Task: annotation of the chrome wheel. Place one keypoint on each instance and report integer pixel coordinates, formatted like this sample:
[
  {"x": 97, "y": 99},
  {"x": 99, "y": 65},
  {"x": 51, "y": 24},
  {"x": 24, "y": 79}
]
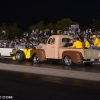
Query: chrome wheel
[
  {"x": 18, "y": 56},
  {"x": 36, "y": 59},
  {"x": 67, "y": 61}
]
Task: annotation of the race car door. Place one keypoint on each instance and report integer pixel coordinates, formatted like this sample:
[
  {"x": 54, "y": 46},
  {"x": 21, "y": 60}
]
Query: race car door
[{"x": 50, "y": 48}]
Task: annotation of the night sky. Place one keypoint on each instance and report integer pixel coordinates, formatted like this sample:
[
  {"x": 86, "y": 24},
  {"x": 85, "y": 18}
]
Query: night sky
[{"x": 29, "y": 12}]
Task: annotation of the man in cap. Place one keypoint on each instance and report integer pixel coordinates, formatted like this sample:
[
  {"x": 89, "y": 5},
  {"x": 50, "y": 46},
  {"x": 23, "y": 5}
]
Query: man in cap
[{"x": 96, "y": 43}]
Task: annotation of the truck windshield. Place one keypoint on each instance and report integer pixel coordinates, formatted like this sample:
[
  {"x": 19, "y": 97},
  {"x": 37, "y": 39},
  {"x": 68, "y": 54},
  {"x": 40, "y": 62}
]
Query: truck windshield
[{"x": 49, "y": 41}]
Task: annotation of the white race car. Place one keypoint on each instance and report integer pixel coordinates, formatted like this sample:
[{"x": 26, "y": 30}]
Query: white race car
[{"x": 5, "y": 52}]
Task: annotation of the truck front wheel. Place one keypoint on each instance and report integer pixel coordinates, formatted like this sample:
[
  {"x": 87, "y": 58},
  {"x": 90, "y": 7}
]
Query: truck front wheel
[
  {"x": 68, "y": 61},
  {"x": 36, "y": 59}
]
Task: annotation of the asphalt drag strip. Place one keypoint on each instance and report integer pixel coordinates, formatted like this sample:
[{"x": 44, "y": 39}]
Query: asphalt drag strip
[{"x": 29, "y": 86}]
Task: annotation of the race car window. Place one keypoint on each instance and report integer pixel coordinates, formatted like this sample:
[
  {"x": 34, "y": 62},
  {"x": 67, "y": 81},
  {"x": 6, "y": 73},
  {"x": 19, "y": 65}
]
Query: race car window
[{"x": 65, "y": 39}]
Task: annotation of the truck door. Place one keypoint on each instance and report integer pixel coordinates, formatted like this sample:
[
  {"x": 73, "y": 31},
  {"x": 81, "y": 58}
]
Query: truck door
[{"x": 50, "y": 48}]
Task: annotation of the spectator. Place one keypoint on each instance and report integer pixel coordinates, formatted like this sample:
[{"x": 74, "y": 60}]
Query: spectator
[
  {"x": 86, "y": 43},
  {"x": 77, "y": 44},
  {"x": 96, "y": 44},
  {"x": 69, "y": 44}
]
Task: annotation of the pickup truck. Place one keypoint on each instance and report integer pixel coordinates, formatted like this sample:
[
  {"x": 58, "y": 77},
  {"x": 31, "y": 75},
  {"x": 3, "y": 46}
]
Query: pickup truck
[{"x": 54, "y": 50}]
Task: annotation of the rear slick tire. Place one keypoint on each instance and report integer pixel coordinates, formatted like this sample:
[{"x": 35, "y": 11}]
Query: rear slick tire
[{"x": 20, "y": 56}]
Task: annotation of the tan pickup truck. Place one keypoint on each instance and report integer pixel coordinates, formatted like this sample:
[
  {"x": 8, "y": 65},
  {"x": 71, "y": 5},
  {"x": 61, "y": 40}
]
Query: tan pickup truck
[{"x": 55, "y": 51}]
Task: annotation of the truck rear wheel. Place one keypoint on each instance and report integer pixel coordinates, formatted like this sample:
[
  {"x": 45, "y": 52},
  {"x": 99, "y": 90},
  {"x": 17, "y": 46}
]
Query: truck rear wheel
[
  {"x": 20, "y": 56},
  {"x": 68, "y": 61},
  {"x": 36, "y": 59}
]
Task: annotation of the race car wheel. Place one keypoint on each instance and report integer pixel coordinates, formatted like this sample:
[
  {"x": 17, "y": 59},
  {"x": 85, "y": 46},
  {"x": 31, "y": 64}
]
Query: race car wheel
[
  {"x": 20, "y": 56},
  {"x": 36, "y": 59},
  {"x": 68, "y": 61},
  {"x": 13, "y": 58}
]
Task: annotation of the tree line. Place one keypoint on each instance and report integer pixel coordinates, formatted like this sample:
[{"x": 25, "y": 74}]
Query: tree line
[{"x": 63, "y": 24}]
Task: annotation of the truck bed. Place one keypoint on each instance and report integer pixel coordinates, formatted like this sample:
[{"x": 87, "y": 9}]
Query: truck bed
[{"x": 87, "y": 53}]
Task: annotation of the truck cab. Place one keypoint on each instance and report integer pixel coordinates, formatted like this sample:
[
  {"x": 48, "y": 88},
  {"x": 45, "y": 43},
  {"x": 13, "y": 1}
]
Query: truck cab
[{"x": 53, "y": 44}]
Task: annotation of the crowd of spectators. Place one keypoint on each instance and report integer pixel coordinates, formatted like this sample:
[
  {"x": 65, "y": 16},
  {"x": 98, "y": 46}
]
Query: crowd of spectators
[{"x": 37, "y": 37}]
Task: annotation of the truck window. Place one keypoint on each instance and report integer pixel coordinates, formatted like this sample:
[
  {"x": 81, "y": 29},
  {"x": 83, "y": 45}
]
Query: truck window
[
  {"x": 65, "y": 39},
  {"x": 53, "y": 41},
  {"x": 49, "y": 41}
]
